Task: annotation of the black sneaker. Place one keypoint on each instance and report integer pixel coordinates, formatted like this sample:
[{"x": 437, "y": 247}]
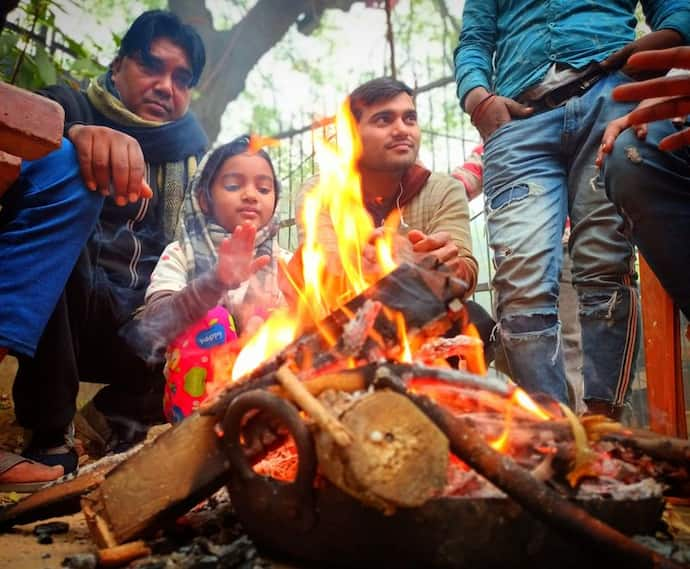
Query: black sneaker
[
  {"x": 125, "y": 434},
  {"x": 107, "y": 434}
]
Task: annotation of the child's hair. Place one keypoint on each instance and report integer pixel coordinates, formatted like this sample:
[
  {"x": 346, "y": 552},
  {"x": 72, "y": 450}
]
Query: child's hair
[{"x": 218, "y": 157}]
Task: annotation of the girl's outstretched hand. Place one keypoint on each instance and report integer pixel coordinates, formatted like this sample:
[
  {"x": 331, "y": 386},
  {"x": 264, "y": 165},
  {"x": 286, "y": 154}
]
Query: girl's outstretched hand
[{"x": 236, "y": 262}]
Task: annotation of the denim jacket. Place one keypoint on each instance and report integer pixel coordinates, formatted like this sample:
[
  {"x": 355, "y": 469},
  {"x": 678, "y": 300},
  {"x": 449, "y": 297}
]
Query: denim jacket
[{"x": 508, "y": 45}]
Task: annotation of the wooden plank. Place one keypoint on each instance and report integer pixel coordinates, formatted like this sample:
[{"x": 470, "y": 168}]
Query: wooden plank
[
  {"x": 183, "y": 466},
  {"x": 30, "y": 125},
  {"x": 661, "y": 326},
  {"x": 59, "y": 500},
  {"x": 9, "y": 170}
]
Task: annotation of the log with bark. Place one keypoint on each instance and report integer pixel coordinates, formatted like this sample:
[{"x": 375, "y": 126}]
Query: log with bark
[{"x": 377, "y": 447}]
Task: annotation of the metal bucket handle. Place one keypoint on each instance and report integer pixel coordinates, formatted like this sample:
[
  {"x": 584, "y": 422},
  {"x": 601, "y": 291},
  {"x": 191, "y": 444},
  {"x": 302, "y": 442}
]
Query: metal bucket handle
[{"x": 301, "y": 489}]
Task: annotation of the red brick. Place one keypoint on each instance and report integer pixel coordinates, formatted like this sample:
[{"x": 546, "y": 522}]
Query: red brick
[{"x": 30, "y": 125}]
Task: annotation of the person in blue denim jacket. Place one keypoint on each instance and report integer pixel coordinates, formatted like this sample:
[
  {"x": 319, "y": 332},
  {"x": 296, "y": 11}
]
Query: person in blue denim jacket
[{"x": 536, "y": 79}]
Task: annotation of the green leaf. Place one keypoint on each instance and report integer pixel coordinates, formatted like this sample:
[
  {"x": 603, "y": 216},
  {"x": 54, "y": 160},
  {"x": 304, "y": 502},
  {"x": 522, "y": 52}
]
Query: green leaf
[
  {"x": 8, "y": 43},
  {"x": 86, "y": 67},
  {"x": 75, "y": 46},
  {"x": 28, "y": 76},
  {"x": 45, "y": 66}
]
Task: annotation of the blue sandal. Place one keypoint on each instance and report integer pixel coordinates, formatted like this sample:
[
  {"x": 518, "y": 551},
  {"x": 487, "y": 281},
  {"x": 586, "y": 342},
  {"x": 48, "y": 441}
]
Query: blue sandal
[{"x": 51, "y": 454}]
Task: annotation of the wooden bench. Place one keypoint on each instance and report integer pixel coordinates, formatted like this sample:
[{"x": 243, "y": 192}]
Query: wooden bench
[
  {"x": 30, "y": 127},
  {"x": 662, "y": 343}
]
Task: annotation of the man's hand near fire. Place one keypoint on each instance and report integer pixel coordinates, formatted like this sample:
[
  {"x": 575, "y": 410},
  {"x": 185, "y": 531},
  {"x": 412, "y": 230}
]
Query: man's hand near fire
[
  {"x": 236, "y": 262},
  {"x": 439, "y": 245}
]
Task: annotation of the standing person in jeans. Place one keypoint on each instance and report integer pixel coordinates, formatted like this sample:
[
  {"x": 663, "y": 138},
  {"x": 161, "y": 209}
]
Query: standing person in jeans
[
  {"x": 647, "y": 168},
  {"x": 536, "y": 81},
  {"x": 471, "y": 174},
  {"x": 130, "y": 137}
]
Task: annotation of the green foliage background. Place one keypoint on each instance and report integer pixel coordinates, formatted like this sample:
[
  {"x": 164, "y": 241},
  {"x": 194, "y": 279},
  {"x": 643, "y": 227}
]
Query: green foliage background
[{"x": 28, "y": 64}]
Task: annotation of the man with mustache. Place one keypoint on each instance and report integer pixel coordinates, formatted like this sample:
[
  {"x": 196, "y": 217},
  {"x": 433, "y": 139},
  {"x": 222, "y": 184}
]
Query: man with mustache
[
  {"x": 136, "y": 145},
  {"x": 432, "y": 208}
]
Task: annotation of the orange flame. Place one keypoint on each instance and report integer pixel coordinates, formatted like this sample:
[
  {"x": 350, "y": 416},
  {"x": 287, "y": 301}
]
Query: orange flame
[
  {"x": 405, "y": 351},
  {"x": 474, "y": 357},
  {"x": 520, "y": 398},
  {"x": 332, "y": 272},
  {"x": 257, "y": 142},
  {"x": 278, "y": 331}
]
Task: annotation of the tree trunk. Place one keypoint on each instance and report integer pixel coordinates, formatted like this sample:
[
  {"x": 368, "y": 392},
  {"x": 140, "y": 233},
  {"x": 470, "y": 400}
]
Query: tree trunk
[{"x": 231, "y": 54}]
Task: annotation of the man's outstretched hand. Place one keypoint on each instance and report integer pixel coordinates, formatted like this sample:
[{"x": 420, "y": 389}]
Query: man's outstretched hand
[
  {"x": 111, "y": 162},
  {"x": 662, "y": 98}
]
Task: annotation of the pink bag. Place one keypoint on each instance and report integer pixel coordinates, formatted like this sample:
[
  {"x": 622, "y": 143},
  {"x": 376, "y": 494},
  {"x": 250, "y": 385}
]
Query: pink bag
[{"x": 198, "y": 362}]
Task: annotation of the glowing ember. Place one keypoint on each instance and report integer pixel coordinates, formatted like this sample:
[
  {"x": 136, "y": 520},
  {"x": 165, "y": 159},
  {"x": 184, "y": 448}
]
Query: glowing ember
[{"x": 257, "y": 142}]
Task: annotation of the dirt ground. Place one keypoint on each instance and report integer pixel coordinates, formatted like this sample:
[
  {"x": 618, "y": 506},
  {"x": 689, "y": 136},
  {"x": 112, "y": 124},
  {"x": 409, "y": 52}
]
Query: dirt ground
[{"x": 19, "y": 549}]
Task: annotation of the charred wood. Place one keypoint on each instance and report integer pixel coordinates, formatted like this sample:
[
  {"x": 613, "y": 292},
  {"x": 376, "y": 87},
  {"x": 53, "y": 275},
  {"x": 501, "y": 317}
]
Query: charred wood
[
  {"x": 530, "y": 493},
  {"x": 424, "y": 298}
]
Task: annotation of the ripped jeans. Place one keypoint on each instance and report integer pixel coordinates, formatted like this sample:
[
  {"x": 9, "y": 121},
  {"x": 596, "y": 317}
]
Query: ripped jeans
[{"x": 537, "y": 171}]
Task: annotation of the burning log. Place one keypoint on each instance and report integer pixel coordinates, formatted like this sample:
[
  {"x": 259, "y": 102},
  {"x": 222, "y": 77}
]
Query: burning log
[
  {"x": 427, "y": 301},
  {"x": 675, "y": 451},
  {"x": 530, "y": 493},
  {"x": 381, "y": 449},
  {"x": 122, "y": 554},
  {"x": 398, "y": 457},
  {"x": 332, "y": 428},
  {"x": 162, "y": 481},
  {"x": 469, "y": 348}
]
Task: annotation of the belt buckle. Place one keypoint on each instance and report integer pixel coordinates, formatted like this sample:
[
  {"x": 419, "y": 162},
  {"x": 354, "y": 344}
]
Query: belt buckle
[{"x": 587, "y": 82}]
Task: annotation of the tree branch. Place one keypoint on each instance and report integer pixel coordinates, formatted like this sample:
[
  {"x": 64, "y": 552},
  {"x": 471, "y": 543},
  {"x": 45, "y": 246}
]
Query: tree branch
[{"x": 232, "y": 54}]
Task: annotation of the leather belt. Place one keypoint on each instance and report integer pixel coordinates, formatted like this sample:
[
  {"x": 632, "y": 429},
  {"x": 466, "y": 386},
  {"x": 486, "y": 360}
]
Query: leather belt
[{"x": 560, "y": 95}]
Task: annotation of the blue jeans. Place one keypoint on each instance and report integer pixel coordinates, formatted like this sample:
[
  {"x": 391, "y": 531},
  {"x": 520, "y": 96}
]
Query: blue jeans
[
  {"x": 537, "y": 171},
  {"x": 45, "y": 221},
  {"x": 652, "y": 190}
]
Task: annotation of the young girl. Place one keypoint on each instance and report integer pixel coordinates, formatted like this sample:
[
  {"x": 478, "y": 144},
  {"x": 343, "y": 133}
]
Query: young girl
[{"x": 220, "y": 278}]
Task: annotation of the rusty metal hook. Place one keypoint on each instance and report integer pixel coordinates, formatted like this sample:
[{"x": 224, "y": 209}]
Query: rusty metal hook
[{"x": 293, "y": 500}]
